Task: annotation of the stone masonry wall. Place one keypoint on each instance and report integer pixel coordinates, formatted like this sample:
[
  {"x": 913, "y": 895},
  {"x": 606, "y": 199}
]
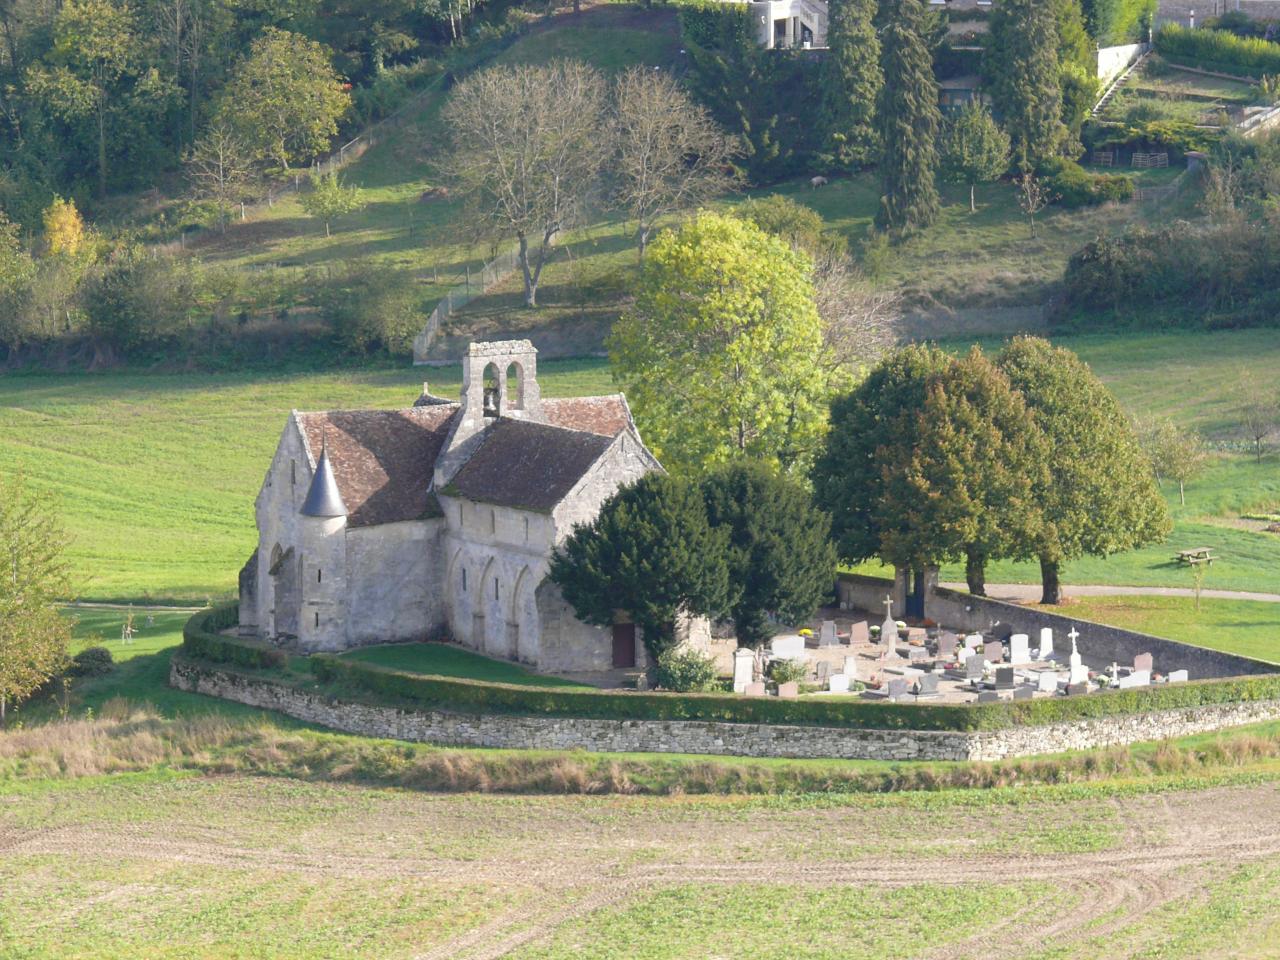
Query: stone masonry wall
[{"x": 726, "y": 739}]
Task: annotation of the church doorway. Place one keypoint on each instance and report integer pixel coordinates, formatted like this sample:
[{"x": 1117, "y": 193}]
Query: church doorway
[
  {"x": 624, "y": 645},
  {"x": 286, "y": 590}
]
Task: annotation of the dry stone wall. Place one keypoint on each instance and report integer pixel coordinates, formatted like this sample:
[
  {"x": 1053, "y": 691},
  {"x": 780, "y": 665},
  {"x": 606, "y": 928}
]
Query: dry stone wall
[{"x": 699, "y": 737}]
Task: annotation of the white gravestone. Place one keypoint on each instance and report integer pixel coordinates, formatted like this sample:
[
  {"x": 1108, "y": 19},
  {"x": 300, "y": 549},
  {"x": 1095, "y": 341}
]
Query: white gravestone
[
  {"x": 888, "y": 629},
  {"x": 743, "y": 668},
  {"x": 1046, "y": 643},
  {"x": 1139, "y": 678},
  {"x": 964, "y": 653},
  {"x": 1047, "y": 682},
  {"x": 787, "y": 647},
  {"x": 838, "y": 683},
  {"x": 1079, "y": 672},
  {"x": 1178, "y": 676},
  {"x": 1019, "y": 648},
  {"x": 851, "y": 667},
  {"x": 973, "y": 641}
]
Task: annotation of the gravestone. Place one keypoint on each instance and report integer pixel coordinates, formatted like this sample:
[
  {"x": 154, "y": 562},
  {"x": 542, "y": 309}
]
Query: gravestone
[
  {"x": 988, "y": 696},
  {"x": 964, "y": 654},
  {"x": 993, "y": 653},
  {"x": 851, "y": 667},
  {"x": 897, "y": 689},
  {"x": 1143, "y": 661},
  {"x": 822, "y": 670},
  {"x": 838, "y": 683},
  {"x": 1079, "y": 673},
  {"x": 1019, "y": 648},
  {"x": 1046, "y": 643},
  {"x": 1177, "y": 676},
  {"x": 1077, "y": 689},
  {"x": 917, "y": 653},
  {"x": 787, "y": 647},
  {"x": 789, "y": 690},
  {"x": 1024, "y": 692},
  {"x": 947, "y": 646},
  {"x": 1047, "y": 682},
  {"x": 755, "y": 689},
  {"x": 743, "y": 668},
  {"x": 973, "y": 667},
  {"x": 888, "y": 629},
  {"x": 1139, "y": 678},
  {"x": 973, "y": 641},
  {"x": 859, "y": 632},
  {"x": 927, "y": 685},
  {"x": 827, "y": 635},
  {"x": 1004, "y": 678}
]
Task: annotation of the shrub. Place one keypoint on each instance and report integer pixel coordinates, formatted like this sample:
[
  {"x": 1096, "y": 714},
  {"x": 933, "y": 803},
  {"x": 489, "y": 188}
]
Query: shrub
[
  {"x": 788, "y": 671},
  {"x": 686, "y": 671},
  {"x": 373, "y": 307},
  {"x": 1073, "y": 186},
  {"x": 92, "y": 662},
  {"x": 1218, "y": 50},
  {"x": 201, "y": 640}
]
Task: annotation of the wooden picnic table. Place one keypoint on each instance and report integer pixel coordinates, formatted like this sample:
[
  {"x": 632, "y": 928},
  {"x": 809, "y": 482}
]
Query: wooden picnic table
[{"x": 1195, "y": 555}]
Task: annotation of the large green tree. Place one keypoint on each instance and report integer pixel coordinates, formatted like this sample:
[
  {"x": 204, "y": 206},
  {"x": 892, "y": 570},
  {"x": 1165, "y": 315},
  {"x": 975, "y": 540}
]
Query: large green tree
[
  {"x": 722, "y": 354},
  {"x": 974, "y": 148},
  {"x": 1099, "y": 496},
  {"x": 780, "y": 556},
  {"x": 908, "y": 120},
  {"x": 965, "y": 484},
  {"x": 851, "y": 82},
  {"x": 33, "y": 581},
  {"x": 1024, "y": 78},
  {"x": 330, "y": 198},
  {"x": 284, "y": 100},
  {"x": 1078, "y": 62},
  {"x": 650, "y": 556}
]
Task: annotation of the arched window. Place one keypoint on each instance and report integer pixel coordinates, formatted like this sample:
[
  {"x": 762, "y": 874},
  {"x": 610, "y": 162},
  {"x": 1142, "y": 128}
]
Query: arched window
[
  {"x": 492, "y": 391},
  {"x": 464, "y": 579},
  {"x": 515, "y": 385}
]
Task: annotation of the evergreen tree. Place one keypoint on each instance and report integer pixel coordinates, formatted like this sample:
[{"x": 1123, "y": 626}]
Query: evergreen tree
[
  {"x": 908, "y": 121},
  {"x": 780, "y": 556},
  {"x": 974, "y": 149},
  {"x": 1025, "y": 79},
  {"x": 1100, "y": 496},
  {"x": 851, "y": 82},
  {"x": 1078, "y": 62},
  {"x": 650, "y": 554}
]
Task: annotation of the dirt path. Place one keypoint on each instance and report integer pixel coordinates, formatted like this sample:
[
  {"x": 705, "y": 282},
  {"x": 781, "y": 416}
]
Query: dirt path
[
  {"x": 1021, "y": 592},
  {"x": 572, "y": 859}
]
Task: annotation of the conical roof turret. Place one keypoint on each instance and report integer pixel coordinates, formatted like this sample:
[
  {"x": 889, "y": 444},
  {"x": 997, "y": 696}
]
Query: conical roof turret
[{"x": 323, "y": 499}]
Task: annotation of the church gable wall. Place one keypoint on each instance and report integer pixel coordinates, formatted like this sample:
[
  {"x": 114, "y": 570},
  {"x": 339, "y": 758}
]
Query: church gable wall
[
  {"x": 395, "y": 582},
  {"x": 279, "y": 531},
  {"x": 624, "y": 462}
]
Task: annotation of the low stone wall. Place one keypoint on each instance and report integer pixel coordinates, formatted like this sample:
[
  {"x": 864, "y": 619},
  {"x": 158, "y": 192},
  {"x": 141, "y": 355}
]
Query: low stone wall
[
  {"x": 724, "y": 739},
  {"x": 1099, "y": 643}
]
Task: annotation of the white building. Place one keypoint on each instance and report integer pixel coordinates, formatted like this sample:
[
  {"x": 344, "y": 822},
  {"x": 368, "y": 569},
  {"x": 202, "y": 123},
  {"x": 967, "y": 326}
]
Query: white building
[
  {"x": 791, "y": 24},
  {"x": 439, "y": 520}
]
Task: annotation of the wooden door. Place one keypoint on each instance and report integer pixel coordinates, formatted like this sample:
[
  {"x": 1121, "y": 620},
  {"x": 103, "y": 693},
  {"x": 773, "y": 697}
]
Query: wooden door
[{"x": 624, "y": 644}]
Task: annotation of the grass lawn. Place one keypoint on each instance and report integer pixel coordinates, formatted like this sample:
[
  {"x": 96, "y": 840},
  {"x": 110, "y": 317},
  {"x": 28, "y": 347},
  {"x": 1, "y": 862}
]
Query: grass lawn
[
  {"x": 446, "y": 660},
  {"x": 1249, "y": 628}
]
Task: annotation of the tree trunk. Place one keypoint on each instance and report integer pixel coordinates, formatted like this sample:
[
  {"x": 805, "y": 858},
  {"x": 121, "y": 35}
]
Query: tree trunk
[
  {"x": 1052, "y": 589},
  {"x": 975, "y": 571},
  {"x": 1182, "y": 494},
  {"x": 642, "y": 242},
  {"x": 102, "y": 147},
  {"x": 326, "y": 230},
  {"x": 973, "y": 207},
  {"x": 530, "y": 291}
]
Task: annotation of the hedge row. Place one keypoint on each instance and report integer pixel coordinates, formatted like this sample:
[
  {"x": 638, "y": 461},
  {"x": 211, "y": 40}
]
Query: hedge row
[
  {"x": 1218, "y": 50},
  {"x": 471, "y": 696},
  {"x": 202, "y": 640}
]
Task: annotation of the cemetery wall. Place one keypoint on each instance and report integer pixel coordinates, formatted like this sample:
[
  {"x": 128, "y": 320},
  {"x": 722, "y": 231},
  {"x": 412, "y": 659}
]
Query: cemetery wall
[
  {"x": 706, "y": 737},
  {"x": 1099, "y": 644}
]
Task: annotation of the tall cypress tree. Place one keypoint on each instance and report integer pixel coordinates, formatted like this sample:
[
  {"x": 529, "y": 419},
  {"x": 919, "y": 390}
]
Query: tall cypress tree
[
  {"x": 851, "y": 82},
  {"x": 1025, "y": 79},
  {"x": 908, "y": 119}
]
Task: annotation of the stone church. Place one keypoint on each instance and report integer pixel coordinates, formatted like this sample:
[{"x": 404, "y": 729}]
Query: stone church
[{"x": 439, "y": 520}]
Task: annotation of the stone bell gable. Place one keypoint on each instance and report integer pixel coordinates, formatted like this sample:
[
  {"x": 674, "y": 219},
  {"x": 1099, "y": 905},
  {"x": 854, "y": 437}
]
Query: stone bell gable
[{"x": 440, "y": 519}]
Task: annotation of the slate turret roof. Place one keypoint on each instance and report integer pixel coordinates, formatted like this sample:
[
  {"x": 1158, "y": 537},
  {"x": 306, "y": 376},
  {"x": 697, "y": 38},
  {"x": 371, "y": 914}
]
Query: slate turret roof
[{"x": 323, "y": 498}]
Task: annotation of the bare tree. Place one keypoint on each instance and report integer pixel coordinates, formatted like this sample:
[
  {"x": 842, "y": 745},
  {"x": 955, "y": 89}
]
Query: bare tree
[
  {"x": 859, "y": 322},
  {"x": 220, "y": 170},
  {"x": 671, "y": 155},
  {"x": 1033, "y": 196},
  {"x": 1260, "y": 413},
  {"x": 529, "y": 144}
]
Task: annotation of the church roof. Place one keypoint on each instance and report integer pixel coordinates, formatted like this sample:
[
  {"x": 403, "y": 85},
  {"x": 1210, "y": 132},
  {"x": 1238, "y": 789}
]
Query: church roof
[
  {"x": 527, "y": 465},
  {"x": 382, "y": 460},
  {"x": 323, "y": 498}
]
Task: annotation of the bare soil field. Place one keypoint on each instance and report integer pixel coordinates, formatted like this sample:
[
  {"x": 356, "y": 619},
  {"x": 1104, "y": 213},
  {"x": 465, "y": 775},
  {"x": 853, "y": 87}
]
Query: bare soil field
[{"x": 146, "y": 866}]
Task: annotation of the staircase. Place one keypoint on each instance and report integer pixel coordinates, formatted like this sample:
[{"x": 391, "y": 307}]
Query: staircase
[{"x": 1109, "y": 94}]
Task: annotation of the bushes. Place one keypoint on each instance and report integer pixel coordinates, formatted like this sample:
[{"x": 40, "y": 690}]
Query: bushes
[
  {"x": 1218, "y": 50},
  {"x": 92, "y": 662},
  {"x": 686, "y": 671},
  {"x": 373, "y": 307},
  {"x": 788, "y": 671},
  {"x": 1073, "y": 186},
  {"x": 201, "y": 639}
]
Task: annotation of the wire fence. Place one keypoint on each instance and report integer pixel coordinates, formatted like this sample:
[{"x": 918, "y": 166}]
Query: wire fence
[{"x": 490, "y": 275}]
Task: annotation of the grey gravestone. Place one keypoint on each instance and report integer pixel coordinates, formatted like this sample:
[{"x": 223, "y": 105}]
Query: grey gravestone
[
  {"x": 928, "y": 685},
  {"x": 789, "y": 691},
  {"x": 858, "y": 632},
  {"x": 917, "y": 653},
  {"x": 1077, "y": 689},
  {"x": 993, "y": 653},
  {"x": 1004, "y": 678},
  {"x": 973, "y": 668},
  {"x": 827, "y": 635},
  {"x": 823, "y": 670},
  {"x": 988, "y": 696},
  {"x": 947, "y": 645},
  {"x": 1143, "y": 661},
  {"x": 1023, "y": 693},
  {"x": 897, "y": 689}
]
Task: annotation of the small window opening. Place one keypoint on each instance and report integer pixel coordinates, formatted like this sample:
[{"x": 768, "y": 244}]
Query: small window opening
[
  {"x": 526, "y": 529},
  {"x": 464, "y": 579},
  {"x": 293, "y": 472},
  {"x": 319, "y": 575},
  {"x": 493, "y": 521},
  {"x": 317, "y": 618},
  {"x": 495, "y": 588}
]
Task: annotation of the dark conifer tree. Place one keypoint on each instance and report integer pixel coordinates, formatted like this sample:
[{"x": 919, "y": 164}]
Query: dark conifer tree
[
  {"x": 1024, "y": 78},
  {"x": 851, "y": 82}
]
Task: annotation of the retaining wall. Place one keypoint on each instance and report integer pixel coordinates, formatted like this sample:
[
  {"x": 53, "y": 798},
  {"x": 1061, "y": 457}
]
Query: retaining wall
[
  {"x": 1099, "y": 643},
  {"x": 684, "y": 736}
]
